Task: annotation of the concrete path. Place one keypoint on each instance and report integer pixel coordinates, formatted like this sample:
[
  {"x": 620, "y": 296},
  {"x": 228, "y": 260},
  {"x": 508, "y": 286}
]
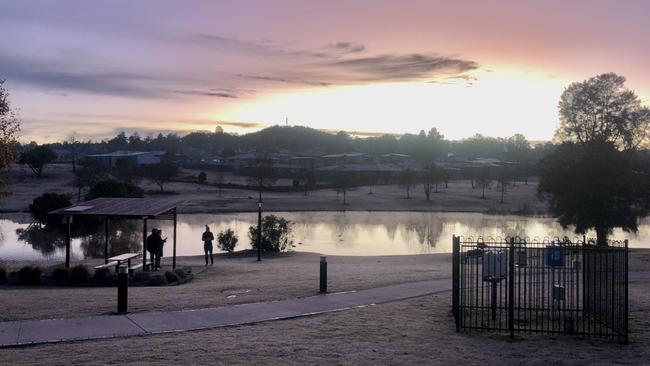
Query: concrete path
[{"x": 26, "y": 332}]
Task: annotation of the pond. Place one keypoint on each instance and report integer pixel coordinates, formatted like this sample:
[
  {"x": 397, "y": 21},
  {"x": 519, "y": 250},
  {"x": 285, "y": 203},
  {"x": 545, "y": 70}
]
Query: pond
[{"x": 329, "y": 233}]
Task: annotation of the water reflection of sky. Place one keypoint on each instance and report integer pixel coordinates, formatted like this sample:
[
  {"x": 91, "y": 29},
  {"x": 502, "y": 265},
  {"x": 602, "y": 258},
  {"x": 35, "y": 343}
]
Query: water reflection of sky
[{"x": 331, "y": 233}]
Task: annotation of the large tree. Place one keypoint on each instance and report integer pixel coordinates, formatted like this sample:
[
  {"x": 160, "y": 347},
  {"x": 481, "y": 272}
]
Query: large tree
[
  {"x": 602, "y": 109},
  {"x": 9, "y": 128},
  {"x": 595, "y": 186},
  {"x": 596, "y": 179}
]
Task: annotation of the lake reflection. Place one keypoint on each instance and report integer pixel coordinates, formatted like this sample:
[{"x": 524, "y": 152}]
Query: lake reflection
[{"x": 331, "y": 233}]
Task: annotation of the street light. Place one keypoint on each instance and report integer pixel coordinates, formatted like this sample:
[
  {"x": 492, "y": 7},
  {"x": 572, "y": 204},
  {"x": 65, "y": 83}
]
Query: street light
[{"x": 259, "y": 231}]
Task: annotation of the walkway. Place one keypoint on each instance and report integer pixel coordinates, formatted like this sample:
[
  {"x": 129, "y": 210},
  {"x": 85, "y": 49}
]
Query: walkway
[{"x": 26, "y": 332}]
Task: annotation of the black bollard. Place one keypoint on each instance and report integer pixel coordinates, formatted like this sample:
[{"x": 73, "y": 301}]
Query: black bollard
[
  {"x": 122, "y": 290},
  {"x": 323, "y": 275}
]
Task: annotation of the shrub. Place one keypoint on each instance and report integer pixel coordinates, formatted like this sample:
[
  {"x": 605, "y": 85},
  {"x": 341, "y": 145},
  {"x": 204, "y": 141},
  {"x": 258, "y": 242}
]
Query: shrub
[
  {"x": 276, "y": 234},
  {"x": 29, "y": 275},
  {"x": 60, "y": 274},
  {"x": 3, "y": 274},
  {"x": 227, "y": 240},
  {"x": 202, "y": 177},
  {"x": 142, "y": 277},
  {"x": 102, "y": 275},
  {"x": 47, "y": 202},
  {"x": 113, "y": 188},
  {"x": 180, "y": 273},
  {"x": 79, "y": 274},
  {"x": 157, "y": 280},
  {"x": 171, "y": 276}
]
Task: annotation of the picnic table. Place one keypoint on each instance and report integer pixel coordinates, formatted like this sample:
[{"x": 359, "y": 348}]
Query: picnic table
[{"x": 120, "y": 259}]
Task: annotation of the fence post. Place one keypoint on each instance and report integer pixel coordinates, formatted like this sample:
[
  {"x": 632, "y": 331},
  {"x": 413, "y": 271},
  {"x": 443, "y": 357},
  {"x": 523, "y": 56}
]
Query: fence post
[
  {"x": 511, "y": 288},
  {"x": 627, "y": 275},
  {"x": 455, "y": 280}
]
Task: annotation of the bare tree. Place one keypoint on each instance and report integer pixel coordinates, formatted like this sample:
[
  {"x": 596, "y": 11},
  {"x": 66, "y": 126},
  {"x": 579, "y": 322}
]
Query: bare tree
[
  {"x": 162, "y": 172},
  {"x": 483, "y": 180},
  {"x": 430, "y": 179},
  {"x": 407, "y": 180},
  {"x": 262, "y": 174},
  {"x": 219, "y": 177},
  {"x": 343, "y": 182},
  {"x": 73, "y": 144},
  {"x": 505, "y": 180}
]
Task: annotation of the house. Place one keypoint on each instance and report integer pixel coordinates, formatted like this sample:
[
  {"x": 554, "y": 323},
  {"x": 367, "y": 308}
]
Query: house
[{"x": 138, "y": 158}]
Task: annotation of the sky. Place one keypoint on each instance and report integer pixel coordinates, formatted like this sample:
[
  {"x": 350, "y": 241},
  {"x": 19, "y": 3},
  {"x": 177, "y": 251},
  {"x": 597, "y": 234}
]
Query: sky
[{"x": 94, "y": 68}]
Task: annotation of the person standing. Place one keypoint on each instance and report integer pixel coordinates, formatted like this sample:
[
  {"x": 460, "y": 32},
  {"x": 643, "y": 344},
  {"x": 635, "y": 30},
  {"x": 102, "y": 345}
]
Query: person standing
[
  {"x": 152, "y": 246},
  {"x": 155, "y": 244},
  {"x": 161, "y": 244},
  {"x": 207, "y": 238}
]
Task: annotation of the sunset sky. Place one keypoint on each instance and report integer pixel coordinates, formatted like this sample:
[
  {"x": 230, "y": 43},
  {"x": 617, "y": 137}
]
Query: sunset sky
[{"x": 492, "y": 67}]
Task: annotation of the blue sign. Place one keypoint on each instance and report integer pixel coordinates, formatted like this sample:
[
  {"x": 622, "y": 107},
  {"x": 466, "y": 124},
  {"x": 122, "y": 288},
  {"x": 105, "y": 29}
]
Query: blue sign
[{"x": 554, "y": 256}]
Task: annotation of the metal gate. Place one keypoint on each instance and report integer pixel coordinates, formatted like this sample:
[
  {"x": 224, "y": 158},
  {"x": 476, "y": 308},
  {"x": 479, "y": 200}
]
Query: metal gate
[{"x": 556, "y": 286}]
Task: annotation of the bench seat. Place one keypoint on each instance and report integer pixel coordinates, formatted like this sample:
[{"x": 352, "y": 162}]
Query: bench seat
[
  {"x": 107, "y": 265},
  {"x": 138, "y": 266}
]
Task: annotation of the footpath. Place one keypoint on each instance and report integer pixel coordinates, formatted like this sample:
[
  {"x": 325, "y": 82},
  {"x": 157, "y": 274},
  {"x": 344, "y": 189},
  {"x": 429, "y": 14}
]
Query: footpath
[{"x": 28, "y": 332}]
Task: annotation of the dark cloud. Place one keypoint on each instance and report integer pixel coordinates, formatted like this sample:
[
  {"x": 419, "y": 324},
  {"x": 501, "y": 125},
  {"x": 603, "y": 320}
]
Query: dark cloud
[
  {"x": 348, "y": 47},
  {"x": 214, "y": 94},
  {"x": 399, "y": 67},
  {"x": 241, "y": 124},
  {"x": 246, "y": 46},
  {"x": 284, "y": 79},
  {"x": 59, "y": 77}
]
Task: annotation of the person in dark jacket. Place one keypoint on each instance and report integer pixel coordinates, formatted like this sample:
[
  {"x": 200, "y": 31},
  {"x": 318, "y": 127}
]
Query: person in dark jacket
[
  {"x": 207, "y": 238},
  {"x": 155, "y": 244}
]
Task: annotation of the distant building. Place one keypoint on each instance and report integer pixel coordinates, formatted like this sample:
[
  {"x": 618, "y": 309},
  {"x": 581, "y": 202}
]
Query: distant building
[
  {"x": 136, "y": 157},
  {"x": 200, "y": 158},
  {"x": 346, "y": 158}
]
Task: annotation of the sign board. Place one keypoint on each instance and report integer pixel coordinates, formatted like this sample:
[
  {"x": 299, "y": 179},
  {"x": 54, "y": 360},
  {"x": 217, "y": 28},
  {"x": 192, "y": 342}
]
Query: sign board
[
  {"x": 495, "y": 265},
  {"x": 554, "y": 256}
]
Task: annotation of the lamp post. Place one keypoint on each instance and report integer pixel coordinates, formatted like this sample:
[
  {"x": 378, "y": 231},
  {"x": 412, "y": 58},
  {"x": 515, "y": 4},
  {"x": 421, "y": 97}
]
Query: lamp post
[{"x": 259, "y": 231}]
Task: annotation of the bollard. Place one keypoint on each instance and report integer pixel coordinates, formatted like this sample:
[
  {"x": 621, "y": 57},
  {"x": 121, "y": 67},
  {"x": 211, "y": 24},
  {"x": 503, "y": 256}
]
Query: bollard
[
  {"x": 122, "y": 290},
  {"x": 323, "y": 274}
]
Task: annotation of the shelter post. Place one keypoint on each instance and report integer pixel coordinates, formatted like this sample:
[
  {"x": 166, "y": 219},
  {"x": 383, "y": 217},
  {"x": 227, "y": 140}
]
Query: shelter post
[
  {"x": 67, "y": 241},
  {"x": 106, "y": 239},
  {"x": 144, "y": 243},
  {"x": 175, "y": 220}
]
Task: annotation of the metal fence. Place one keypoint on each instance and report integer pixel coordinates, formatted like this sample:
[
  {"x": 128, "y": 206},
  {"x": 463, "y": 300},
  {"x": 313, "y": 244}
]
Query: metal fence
[{"x": 515, "y": 285}]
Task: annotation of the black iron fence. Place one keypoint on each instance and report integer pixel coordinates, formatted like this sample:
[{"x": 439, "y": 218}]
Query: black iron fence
[{"x": 556, "y": 286}]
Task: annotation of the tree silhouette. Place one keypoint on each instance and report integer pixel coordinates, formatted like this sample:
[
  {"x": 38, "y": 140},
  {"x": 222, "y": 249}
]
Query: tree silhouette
[
  {"x": 483, "y": 180},
  {"x": 343, "y": 181},
  {"x": 595, "y": 186},
  {"x": 504, "y": 179},
  {"x": 37, "y": 158},
  {"x": 407, "y": 179},
  {"x": 9, "y": 128},
  {"x": 49, "y": 201},
  {"x": 162, "y": 172},
  {"x": 596, "y": 180},
  {"x": 262, "y": 174},
  {"x": 602, "y": 109},
  {"x": 430, "y": 179}
]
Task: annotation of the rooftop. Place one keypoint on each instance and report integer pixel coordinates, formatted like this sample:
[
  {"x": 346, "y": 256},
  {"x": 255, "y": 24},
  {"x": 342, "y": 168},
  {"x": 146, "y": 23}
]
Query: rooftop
[{"x": 126, "y": 207}]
